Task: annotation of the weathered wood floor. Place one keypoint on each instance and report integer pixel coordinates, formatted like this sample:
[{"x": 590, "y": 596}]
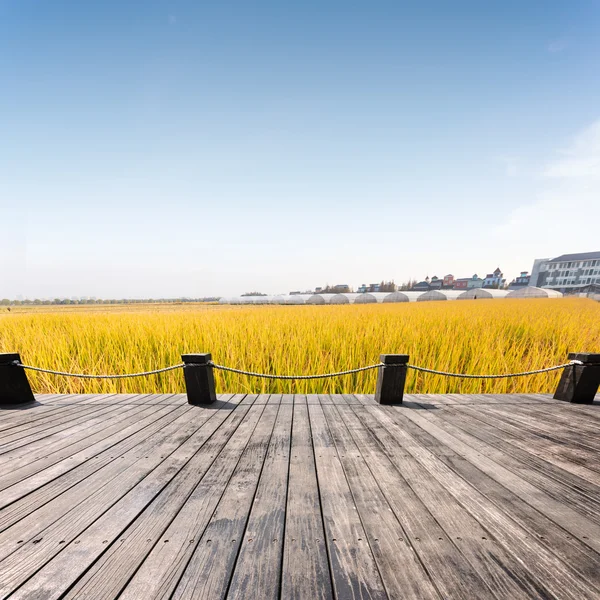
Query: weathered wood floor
[{"x": 300, "y": 497}]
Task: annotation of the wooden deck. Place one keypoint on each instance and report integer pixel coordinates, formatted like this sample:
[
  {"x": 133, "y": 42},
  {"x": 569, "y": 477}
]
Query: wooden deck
[{"x": 300, "y": 497}]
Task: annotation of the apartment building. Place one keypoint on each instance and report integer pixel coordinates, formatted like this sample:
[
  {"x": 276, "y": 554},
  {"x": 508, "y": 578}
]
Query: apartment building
[{"x": 568, "y": 272}]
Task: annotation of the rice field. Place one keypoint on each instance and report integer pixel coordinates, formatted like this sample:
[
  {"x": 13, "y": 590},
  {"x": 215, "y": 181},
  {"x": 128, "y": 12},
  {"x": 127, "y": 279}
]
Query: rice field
[{"x": 465, "y": 337}]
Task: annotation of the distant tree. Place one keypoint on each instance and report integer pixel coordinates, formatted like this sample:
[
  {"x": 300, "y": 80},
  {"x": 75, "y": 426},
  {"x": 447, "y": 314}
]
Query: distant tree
[
  {"x": 388, "y": 286},
  {"x": 5, "y": 302},
  {"x": 407, "y": 285},
  {"x": 254, "y": 294}
]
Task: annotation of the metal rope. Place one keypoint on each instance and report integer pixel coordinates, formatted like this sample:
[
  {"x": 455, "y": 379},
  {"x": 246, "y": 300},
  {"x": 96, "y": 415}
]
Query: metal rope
[
  {"x": 266, "y": 376},
  {"x": 84, "y": 376},
  {"x": 569, "y": 364}
]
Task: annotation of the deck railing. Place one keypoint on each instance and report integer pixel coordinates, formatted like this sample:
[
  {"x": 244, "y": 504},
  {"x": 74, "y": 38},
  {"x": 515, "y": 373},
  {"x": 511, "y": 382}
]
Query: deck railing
[{"x": 579, "y": 381}]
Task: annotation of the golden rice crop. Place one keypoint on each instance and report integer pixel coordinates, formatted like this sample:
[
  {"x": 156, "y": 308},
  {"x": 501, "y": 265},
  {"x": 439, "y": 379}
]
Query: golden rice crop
[{"x": 496, "y": 336}]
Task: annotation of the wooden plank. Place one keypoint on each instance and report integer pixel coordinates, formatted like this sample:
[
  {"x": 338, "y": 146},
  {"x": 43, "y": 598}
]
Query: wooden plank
[
  {"x": 148, "y": 472},
  {"x": 258, "y": 568},
  {"x": 68, "y": 399},
  {"x": 553, "y": 574},
  {"x": 255, "y": 399},
  {"x": 352, "y": 399},
  {"x": 305, "y": 571},
  {"x": 554, "y": 460},
  {"x": 97, "y": 492},
  {"x": 168, "y": 399},
  {"x": 540, "y": 526},
  {"x": 587, "y": 443},
  {"x": 367, "y": 399},
  {"x": 553, "y": 439},
  {"x": 209, "y": 570},
  {"x": 154, "y": 501},
  {"x": 383, "y": 541},
  {"x": 65, "y": 436},
  {"x": 174, "y": 399},
  {"x": 42, "y": 397},
  {"x": 224, "y": 437},
  {"x": 22, "y": 414},
  {"x": 354, "y": 571},
  {"x": 463, "y": 558},
  {"x": 39, "y": 421},
  {"x": 38, "y": 459},
  {"x": 287, "y": 399},
  {"x": 329, "y": 399},
  {"x": 519, "y": 471},
  {"x": 85, "y": 399},
  {"x": 323, "y": 399},
  {"x": 566, "y": 414},
  {"x": 31, "y": 493},
  {"x": 274, "y": 399},
  {"x": 20, "y": 436},
  {"x": 434, "y": 399}
]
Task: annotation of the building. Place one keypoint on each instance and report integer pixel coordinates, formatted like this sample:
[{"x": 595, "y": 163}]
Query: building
[
  {"x": 384, "y": 286},
  {"x": 436, "y": 283},
  {"x": 461, "y": 284},
  {"x": 372, "y": 287},
  {"x": 422, "y": 286},
  {"x": 475, "y": 282},
  {"x": 468, "y": 283},
  {"x": 521, "y": 281},
  {"x": 494, "y": 280},
  {"x": 567, "y": 273},
  {"x": 448, "y": 282}
]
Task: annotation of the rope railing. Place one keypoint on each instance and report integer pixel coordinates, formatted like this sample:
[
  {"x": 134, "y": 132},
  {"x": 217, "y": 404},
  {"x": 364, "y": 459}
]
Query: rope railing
[
  {"x": 88, "y": 376},
  {"x": 503, "y": 376},
  {"x": 579, "y": 381},
  {"x": 293, "y": 377},
  {"x": 321, "y": 376}
]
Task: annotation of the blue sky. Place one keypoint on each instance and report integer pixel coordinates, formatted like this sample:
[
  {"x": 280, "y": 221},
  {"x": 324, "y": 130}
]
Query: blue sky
[{"x": 175, "y": 148}]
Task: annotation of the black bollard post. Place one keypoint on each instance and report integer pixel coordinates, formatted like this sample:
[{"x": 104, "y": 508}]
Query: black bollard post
[
  {"x": 390, "y": 382},
  {"x": 579, "y": 383},
  {"x": 199, "y": 379},
  {"x": 14, "y": 385}
]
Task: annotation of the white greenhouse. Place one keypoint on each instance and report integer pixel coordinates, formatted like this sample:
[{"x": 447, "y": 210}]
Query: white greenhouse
[
  {"x": 366, "y": 298},
  {"x": 481, "y": 294},
  {"x": 534, "y": 292},
  {"x": 297, "y": 298},
  {"x": 435, "y": 295},
  {"x": 401, "y": 297},
  {"x": 394, "y": 297}
]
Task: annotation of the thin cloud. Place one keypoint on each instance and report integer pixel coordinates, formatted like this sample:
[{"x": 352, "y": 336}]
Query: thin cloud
[
  {"x": 556, "y": 46},
  {"x": 566, "y": 211},
  {"x": 172, "y": 19},
  {"x": 582, "y": 159}
]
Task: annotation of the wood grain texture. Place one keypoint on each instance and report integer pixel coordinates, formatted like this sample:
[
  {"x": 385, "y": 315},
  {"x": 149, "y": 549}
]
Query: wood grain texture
[
  {"x": 282, "y": 496},
  {"x": 305, "y": 569},
  {"x": 258, "y": 567},
  {"x": 353, "y": 567}
]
